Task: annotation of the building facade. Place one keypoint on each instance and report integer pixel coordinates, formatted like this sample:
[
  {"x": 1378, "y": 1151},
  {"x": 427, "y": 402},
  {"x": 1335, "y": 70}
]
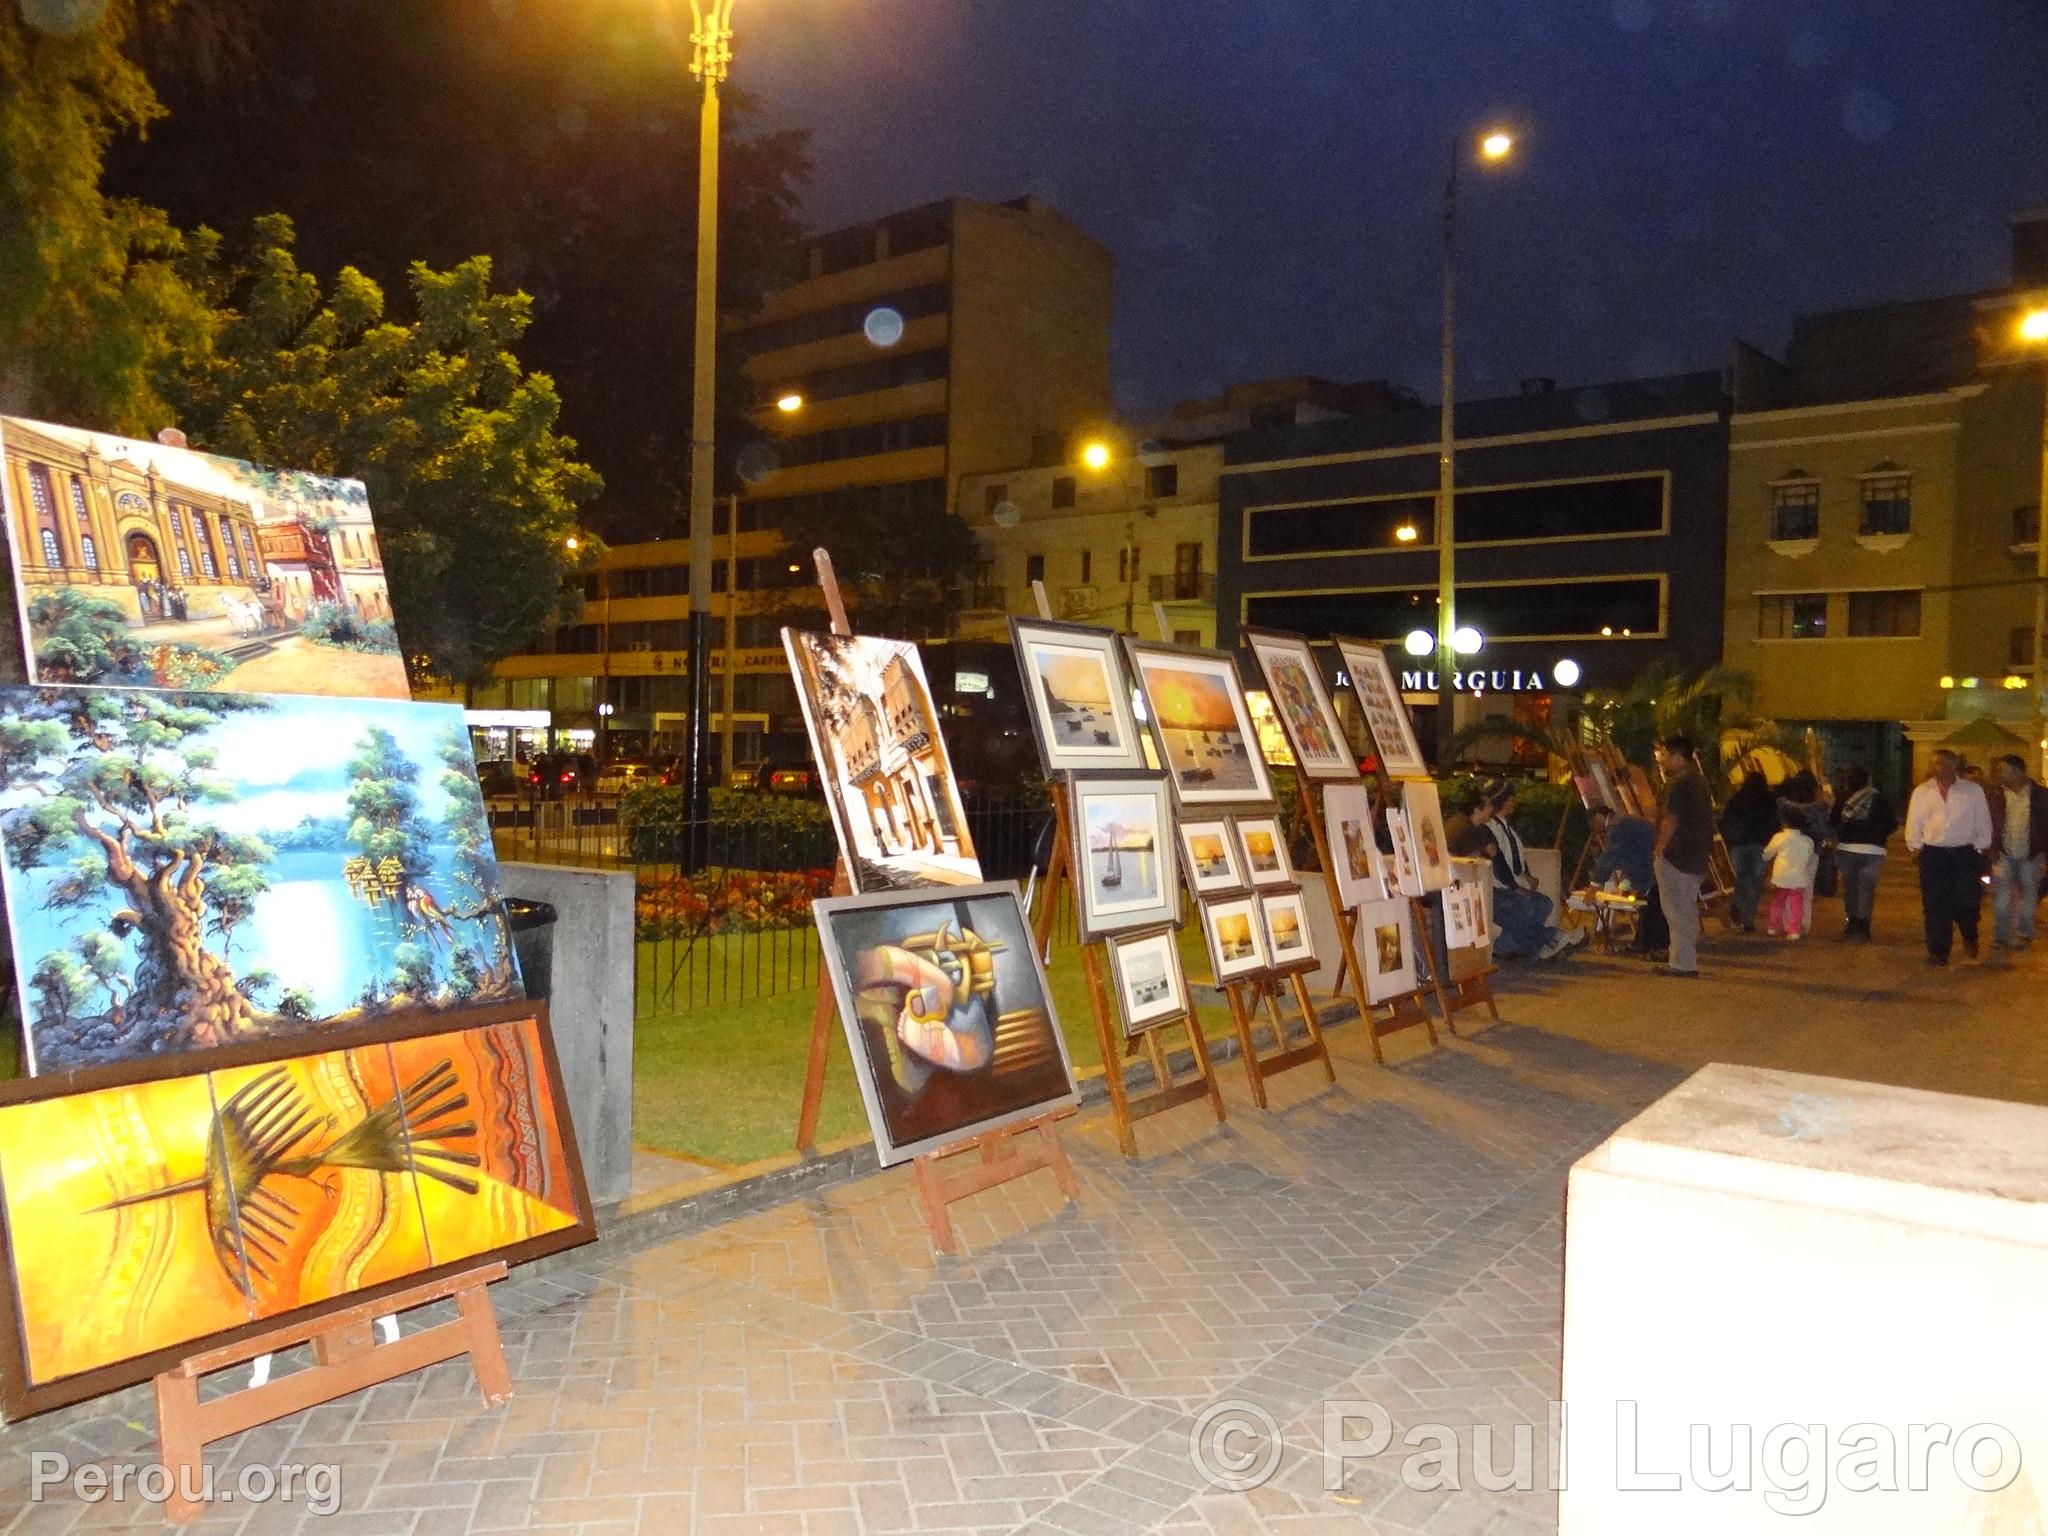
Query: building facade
[{"x": 1589, "y": 526}]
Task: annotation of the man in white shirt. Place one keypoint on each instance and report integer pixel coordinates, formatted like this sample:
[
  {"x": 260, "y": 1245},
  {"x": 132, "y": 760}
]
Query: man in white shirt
[{"x": 1948, "y": 824}]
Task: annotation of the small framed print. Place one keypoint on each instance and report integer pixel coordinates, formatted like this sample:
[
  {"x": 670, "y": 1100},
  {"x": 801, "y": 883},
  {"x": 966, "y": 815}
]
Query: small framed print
[
  {"x": 1144, "y": 971},
  {"x": 1302, "y": 704},
  {"x": 1237, "y": 938},
  {"x": 1289, "y": 944},
  {"x": 1124, "y": 871},
  {"x": 1078, "y": 696},
  {"x": 1386, "y": 714},
  {"x": 1209, "y": 853},
  {"x": 1264, "y": 846},
  {"x": 1355, "y": 856},
  {"x": 1425, "y": 816},
  {"x": 1461, "y": 931},
  {"x": 1201, "y": 724},
  {"x": 1386, "y": 949},
  {"x": 1407, "y": 874}
]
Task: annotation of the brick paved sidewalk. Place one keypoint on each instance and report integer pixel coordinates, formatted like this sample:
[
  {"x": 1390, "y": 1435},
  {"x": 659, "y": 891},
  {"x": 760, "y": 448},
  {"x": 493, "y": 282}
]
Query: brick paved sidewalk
[{"x": 815, "y": 1369}]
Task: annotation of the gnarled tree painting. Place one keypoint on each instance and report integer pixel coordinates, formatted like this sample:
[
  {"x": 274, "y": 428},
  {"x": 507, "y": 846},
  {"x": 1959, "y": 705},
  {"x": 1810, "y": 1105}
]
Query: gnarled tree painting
[{"x": 184, "y": 870}]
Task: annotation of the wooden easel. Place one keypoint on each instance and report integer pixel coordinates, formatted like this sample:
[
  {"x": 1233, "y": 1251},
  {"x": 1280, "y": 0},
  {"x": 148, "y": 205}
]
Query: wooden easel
[
  {"x": 1242, "y": 996},
  {"x": 1001, "y": 1160},
  {"x": 1466, "y": 992},
  {"x": 346, "y": 1358}
]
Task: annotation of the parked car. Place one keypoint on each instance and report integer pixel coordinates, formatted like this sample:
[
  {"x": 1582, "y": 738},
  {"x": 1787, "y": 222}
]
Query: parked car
[
  {"x": 559, "y": 775},
  {"x": 624, "y": 773},
  {"x": 501, "y": 778},
  {"x": 776, "y": 778}
]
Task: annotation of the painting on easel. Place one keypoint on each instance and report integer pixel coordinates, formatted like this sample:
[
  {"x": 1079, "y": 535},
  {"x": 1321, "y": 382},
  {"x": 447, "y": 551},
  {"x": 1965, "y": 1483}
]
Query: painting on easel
[
  {"x": 1077, "y": 695},
  {"x": 1302, "y": 704},
  {"x": 947, "y": 1012},
  {"x": 1126, "y": 876},
  {"x": 1201, "y": 723},
  {"x": 888, "y": 779}
]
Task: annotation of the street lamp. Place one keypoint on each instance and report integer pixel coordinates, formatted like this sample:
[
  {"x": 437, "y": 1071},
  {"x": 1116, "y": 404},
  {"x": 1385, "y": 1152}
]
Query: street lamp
[
  {"x": 1494, "y": 147},
  {"x": 790, "y": 403},
  {"x": 1097, "y": 455},
  {"x": 710, "y": 59},
  {"x": 2033, "y": 331}
]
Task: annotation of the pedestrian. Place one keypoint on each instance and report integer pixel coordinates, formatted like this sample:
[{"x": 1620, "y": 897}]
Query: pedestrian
[
  {"x": 1748, "y": 821},
  {"x": 1864, "y": 821},
  {"x": 1685, "y": 835},
  {"x": 1803, "y": 793},
  {"x": 1948, "y": 824},
  {"x": 1521, "y": 912},
  {"x": 1793, "y": 861},
  {"x": 2019, "y": 852}
]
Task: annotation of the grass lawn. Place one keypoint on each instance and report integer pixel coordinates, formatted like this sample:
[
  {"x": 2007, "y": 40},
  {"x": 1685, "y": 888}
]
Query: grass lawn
[{"x": 722, "y": 1082}]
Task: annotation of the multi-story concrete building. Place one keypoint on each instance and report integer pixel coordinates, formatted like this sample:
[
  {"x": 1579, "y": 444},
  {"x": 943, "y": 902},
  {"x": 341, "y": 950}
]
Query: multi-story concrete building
[{"x": 1882, "y": 520}]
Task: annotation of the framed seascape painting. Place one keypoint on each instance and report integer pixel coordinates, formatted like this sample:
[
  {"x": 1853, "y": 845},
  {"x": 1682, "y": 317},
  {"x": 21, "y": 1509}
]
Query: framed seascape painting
[
  {"x": 1386, "y": 948},
  {"x": 1289, "y": 944},
  {"x": 1208, "y": 849},
  {"x": 1078, "y": 695},
  {"x": 1302, "y": 703},
  {"x": 1144, "y": 969},
  {"x": 157, "y": 1207},
  {"x": 1386, "y": 716},
  {"x": 142, "y": 566},
  {"x": 1125, "y": 875},
  {"x": 1264, "y": 846},
  {"x": 1423, "y": 811},
  {"x": 1200, "y": 723},
  {"x": 1354, "y": 850},
  {"x": 946, "y": 1009},
  {"x": 1236, "y": 936},
  {"x": 192, "y": 870},
  {"x": 875, "y": 736}
]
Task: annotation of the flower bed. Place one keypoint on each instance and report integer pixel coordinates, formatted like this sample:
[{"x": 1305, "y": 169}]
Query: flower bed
[{"x": 715, "y": 902}]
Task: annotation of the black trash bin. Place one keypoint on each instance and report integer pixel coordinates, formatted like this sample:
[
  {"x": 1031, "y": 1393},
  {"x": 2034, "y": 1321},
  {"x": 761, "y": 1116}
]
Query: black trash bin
[{"x": 533, "y": 941}]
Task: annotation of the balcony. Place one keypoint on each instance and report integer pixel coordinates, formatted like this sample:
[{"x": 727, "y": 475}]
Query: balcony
[
  {"x": 2026, "y": 529},
  {"x": 983, "y": 598},
  {"x": 1182, "y": 587}
]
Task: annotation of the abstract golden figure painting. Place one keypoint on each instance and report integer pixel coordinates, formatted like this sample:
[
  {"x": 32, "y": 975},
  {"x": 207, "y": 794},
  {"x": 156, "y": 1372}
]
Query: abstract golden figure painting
[{"x": 143, "y": 1216}]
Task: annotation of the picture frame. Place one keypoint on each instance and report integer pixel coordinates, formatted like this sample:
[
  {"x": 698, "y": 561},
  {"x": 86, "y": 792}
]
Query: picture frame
[
  {"x": 1301, "y": 702},
  {"x": 1386, "y": 713},
  {"x": 1236, "y": 935},
  {"x": 523, "y": 1143},
  {"x": 1263, "y": 843},
  {"x": 1077, "y": 695},
  {"x": 957, "y": 971},
  {"x": 1200, "y": 724},
  {"x": 1290, "y": 939},
  {"x": 1407, "y": 873},
  {"x": 1210, "y": 857},
  {"x": 1146, "y": 976},
  {"x": 1422, "y": 808},
  {"x": 1121, "y": 842},
  {"x": 1386, "y": 949},
  {"x": 1461, "y": 931},
  {"x": 1355, "y": 857}
]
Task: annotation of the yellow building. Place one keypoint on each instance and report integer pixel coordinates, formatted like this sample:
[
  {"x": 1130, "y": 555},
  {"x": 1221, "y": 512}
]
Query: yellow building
[{"x": 1882, "y": 521}]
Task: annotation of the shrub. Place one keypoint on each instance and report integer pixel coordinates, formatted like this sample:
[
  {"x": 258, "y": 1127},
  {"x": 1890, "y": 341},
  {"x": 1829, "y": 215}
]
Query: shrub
[
  {"x": 715, "y": 902},
  {"x": 749, "y": 830},
  {"x": 339, "y": 625}
]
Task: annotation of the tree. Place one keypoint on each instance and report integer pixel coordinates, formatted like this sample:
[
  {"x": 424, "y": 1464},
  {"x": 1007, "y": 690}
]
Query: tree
[
  {"x": 455, "y": 440},
  {"x": 899, "y": 571},
  {"x": 96, "y": 294},
  {"x": 122, "y": 779},
  {"x": 384, "y": 819},
  {"x": 467, "y": 822}
]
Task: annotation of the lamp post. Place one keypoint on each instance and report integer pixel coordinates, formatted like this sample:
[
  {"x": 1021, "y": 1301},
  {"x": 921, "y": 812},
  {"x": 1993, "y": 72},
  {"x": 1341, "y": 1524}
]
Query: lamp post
[
  {"x": 1097, "y": 456},
  {"x": 2033, "y": 332},
  {"x": 710, "y": 58},
  {"x": 1493, "y": 148}
]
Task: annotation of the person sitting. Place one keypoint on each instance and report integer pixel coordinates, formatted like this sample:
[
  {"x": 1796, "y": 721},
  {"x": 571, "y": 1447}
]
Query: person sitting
[
  {"x": 1628, "y": 845},
  {"x": 1521, "y": 913},
  {"x": 1470, "y": 836}
]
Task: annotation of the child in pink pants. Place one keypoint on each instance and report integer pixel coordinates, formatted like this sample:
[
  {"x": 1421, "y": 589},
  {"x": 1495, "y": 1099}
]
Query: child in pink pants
[{"x": 1793, "y": 860}]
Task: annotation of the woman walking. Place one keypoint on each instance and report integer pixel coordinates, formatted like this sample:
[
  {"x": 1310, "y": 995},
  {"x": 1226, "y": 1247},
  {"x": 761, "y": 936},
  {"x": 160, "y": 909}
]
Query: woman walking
[
  {"x": 1864, "y": 821},
  {"x": 1748, "y": 821}
]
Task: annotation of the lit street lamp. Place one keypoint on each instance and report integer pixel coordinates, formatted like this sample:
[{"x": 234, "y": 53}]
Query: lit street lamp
[
  {"x": 1494, "y": 148},
  {"x": 1098, "y": 456}
]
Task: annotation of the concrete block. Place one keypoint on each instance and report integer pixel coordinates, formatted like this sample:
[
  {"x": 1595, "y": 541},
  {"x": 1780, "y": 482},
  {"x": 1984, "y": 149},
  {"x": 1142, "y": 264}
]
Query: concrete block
[{"x": 592, "y": 1009}]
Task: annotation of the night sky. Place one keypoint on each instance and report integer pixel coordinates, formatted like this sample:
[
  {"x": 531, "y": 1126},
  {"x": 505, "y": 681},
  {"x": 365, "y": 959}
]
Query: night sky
[{"x": 1269, "y": 172}]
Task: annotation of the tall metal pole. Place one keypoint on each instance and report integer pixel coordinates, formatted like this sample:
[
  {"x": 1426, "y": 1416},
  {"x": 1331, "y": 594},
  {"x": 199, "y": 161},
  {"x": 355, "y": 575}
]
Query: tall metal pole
[
  {"x": 2035, "y": 750},
  {"x": 1446, "y": 486},
  {"x": 732, "y": 628},
  {"x": 710, "y": 57}
]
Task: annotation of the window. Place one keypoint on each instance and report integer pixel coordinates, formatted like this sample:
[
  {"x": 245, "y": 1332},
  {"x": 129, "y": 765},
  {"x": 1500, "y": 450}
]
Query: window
[
  {"x": 1063, "y": 491},
  {"x": 39, "y": 491},
  {"x": 1162, "y": 480},
  {"x": 1887, "y": 504},
  {"x": 994, "y": 496},
  {"x": 53, "y": 557},
  {"x": 1795, "y": 509},
  {"x": 89, "y": 552},
  {"x": 1344, "y": 526},
  {"x": 1187, "y": 637},
  {"x": 78, "y": 505},
  {"x": 1792, "y": 616},
  {"x": 1034, "y": 569},
  {"x": 2019, "y": 651},
  {"x": 184, "y": 562},
  {"x": 1884, "y": 613},
  {"x": 1087, "y": 566},
  {"x": 234, "y": 565},
  {"x": 1128, "y": 559},
  {"x": 1526, "y": 611}
]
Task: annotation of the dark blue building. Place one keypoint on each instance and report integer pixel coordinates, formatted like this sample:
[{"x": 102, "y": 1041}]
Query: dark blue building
[{"x": 1590, "y": 527}]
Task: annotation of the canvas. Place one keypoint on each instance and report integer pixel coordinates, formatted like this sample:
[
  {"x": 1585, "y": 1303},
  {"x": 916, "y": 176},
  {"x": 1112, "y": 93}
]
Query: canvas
[
  {"x": 148, "y": 1213},
  {"x": 1290, "y": 946},
  {"x": 1236, "y": 938},
  {"x": 1302, "y": 704},
  {"x": 1354, "y": 849},
  {"x": 875, "y": 736},
  {"x": 1423, "y": 811},
  {"x": 138, "y": 565},
  {"x": 1079, "y": 696},
  {"x": 1386, "y": 948},
  {"x": 1145, "y": 972},
  {"x": 947, "y": 1012},
  {"x": 1209, "y": 851},
  {"x": 1201, "y": 725},
  {"x": 1386, "y": 716},
  {"x": 189, "y": 870},
  {"x": 1124, "y": 870},
  {"x": 1264, "y": 846}
]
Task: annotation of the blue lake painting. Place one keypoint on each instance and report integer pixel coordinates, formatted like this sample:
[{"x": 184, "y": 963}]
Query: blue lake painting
[{"x": 186, "y": 870}]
